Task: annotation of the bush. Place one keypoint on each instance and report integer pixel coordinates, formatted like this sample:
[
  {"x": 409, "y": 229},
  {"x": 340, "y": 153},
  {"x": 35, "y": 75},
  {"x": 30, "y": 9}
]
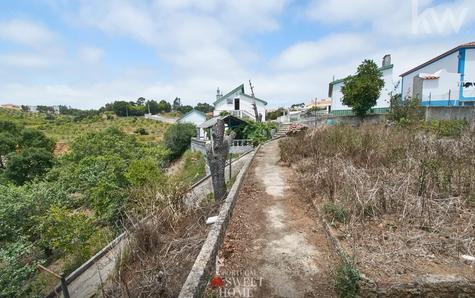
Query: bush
[
  {"x": 28, "y": 164},
  {"x": 141, "y": 131},
  {"x": 347, "y": 277},
  {"x": 258, "y": 132},
  {"x": 178, "y": 137},
  {"x": 15, "y": 269},
  {"x": 144, "y": 171}
]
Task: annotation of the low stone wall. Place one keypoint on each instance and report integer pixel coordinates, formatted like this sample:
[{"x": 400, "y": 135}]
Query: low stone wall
[
  {"x": 83, "y": 282},
  {"x": 200, "y": 274}
]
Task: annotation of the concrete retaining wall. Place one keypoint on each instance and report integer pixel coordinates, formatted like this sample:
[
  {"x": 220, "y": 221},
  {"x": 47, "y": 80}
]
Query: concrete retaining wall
[
  {"x": 85, "y": 280},
  {"x": 200, "y": 274},
  {"x": 451, "y": 113}
]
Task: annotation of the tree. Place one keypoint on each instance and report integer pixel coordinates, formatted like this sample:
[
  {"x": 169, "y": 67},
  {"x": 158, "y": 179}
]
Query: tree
[
  {"x": 28, "y": 164},
  {"x": 35, "y": 138},
  {"x": 361, "y": 91},
  {"x": 204, "y": 107},
  {"x": 152, "y": 107},
  {"x": 217, "y": 154},
  {"x": 140, "y": 101},
  {"x": 164, "y": 107},
  {"x": 185, "y": 109},
  {"x": 177, "y": 138}
]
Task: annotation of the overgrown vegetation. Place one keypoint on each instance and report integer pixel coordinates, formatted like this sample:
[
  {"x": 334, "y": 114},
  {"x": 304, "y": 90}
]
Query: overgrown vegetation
[
  {"x": 397, "y": 192},
  {"x": 59, "y": 209},
  {"x": 258, "y": 132}
]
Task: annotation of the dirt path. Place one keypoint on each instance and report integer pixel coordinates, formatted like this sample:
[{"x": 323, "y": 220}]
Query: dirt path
[{"x": 275, "y": 245}]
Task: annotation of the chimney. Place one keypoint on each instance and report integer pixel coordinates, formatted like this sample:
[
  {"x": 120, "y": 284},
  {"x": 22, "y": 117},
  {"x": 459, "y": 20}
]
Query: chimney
[
  {"x": 218, "y": 94},
  {"x": 386, "y": 60}
]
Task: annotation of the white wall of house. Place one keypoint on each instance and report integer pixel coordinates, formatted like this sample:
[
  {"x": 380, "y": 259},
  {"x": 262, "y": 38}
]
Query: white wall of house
[
  {"x": 245, "y": 104},
  {"x": 449, "y": 63},
  {"x": 438, "y": 89},
  {"x": 382, "y": 102},
  {"x": 194, "y": 117},
  {"x": 469, "y": 92}
]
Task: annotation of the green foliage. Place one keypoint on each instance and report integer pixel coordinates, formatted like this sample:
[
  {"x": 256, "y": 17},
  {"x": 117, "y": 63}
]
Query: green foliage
[
  {"x": 347, "y": 277},
  {"x": 28, "y": 164},
  {"x": 177, "y": 138},
  {"x": 404, "y": 111},
  {"x": 108, "y": 141},
  {"x": 15, "y": 269},
  {"x": 275, "y": 114},
  {"x": 445, "y": 128},
  {"x": 336, "y": 212},
  {"x": 141, "y": 131},
  {"x": 224, "y": 113},
  {"x": 193, "y": 169},
  {"x": 144, "y": 171},
  {"x": 204, "y": 107},
  {"x": 18, "y": 206},
  {"x": 258, "y": 132},
  {"x": 361, "y": 91},
  {"x": 164, "y": 107},
  {"x": 64, "y": 229}
]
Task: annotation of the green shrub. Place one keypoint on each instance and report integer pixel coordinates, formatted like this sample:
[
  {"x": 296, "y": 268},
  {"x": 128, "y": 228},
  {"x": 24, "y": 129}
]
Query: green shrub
[
  {"x": 28, "y": 164},
  {"x": 178, "y": 137},
  {"x": 347, "y": 277},
  {"x": 258, "y": 132},
  {"x": 15, "y": 269},
  {"x": 141, "y": 131},
  {"x": 445, "y": 128},
  {"x": 144, "y": 171},
  {"x": 336, "y": 212}
]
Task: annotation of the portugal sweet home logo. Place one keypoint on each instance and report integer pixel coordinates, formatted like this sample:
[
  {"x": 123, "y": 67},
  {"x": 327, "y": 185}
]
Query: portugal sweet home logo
[{"x": 235, "y": 283}]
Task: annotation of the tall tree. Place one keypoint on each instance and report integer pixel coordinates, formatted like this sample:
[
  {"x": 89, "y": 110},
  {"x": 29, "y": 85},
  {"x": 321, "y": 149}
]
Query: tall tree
[
  {"x": 362, "y": 90},
  {"x": 176, "y": 104},
  {"x": 204, "y": 107}
]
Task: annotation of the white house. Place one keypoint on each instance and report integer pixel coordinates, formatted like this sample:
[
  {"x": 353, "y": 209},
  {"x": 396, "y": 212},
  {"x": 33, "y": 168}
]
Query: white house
[
  {"x": 195, "y": 117},
  {"x": 337, "y": 107},
  {"x": 239, "y": 104},
  {"x": 446, "y": 80}
]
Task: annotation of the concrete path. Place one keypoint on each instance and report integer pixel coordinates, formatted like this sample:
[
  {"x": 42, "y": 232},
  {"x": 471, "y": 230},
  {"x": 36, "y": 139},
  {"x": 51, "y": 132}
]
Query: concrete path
[{"x": 275, "y": 245}]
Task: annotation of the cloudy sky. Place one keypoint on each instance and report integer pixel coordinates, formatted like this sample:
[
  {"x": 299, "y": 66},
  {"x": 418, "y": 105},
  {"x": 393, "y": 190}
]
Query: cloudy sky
[{"x": 84, "y": 53}]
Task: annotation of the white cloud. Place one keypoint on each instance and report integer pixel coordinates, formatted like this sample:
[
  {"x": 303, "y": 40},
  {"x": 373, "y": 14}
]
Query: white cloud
[
  {"x": 91, "y": 54},
  {"x": 23, "y": 60},
  {"x": 26, "y": 32}
]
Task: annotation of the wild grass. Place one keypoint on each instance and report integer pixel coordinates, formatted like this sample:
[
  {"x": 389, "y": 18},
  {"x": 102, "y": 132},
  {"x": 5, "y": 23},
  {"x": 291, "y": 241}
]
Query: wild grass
[{"x": 417, "y": 180}]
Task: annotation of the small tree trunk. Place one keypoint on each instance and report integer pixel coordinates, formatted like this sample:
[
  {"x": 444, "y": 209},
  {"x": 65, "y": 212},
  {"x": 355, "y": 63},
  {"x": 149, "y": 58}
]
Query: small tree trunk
[{"x": 217, "y": 154}]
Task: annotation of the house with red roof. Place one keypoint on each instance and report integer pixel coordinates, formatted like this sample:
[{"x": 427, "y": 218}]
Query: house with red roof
[{"x": 446, "y": 80}]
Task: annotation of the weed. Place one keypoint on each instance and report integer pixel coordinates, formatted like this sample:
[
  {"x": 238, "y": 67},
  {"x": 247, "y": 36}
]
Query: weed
[
  {"x": 347, "y": 277},
  {"x": 336, "y": 212}
]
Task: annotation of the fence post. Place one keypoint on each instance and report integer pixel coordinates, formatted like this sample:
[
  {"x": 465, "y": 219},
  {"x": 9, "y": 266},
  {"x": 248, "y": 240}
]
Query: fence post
[
  {"x": 64, "y": 287},
  {"x": 450, "y": 93}
]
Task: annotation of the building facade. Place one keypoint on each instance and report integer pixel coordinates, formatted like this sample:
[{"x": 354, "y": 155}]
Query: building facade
[
  {"x": 446, "y": 80},
  {"x": 237, "y": 103},
  {"x": 337, "y": 107}
]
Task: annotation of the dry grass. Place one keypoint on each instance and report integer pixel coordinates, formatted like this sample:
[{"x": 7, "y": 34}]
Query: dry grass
[
  {"x": 163, "y": 247},
  {"x": 408, "y": 195}
]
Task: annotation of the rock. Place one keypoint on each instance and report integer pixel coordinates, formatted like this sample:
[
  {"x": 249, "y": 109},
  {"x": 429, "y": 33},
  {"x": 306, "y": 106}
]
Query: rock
[{"x": 469, "y": 260}]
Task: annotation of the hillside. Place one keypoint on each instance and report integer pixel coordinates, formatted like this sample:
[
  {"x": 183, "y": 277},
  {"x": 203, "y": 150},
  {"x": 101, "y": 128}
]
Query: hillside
[{"x": 68, "y": 186}]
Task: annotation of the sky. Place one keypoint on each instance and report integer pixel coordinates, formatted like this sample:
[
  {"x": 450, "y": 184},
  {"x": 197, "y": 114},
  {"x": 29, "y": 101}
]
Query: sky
[{"x": 86, "y": 53}]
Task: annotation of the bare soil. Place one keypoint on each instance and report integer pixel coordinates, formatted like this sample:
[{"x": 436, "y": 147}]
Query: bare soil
[{"x": 275, "y": 238}]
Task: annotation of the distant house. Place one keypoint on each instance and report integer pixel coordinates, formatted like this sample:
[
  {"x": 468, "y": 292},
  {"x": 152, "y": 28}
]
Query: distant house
[
  {"x": 195, "y": 117},
  {"x": 239, "y": 104},
  {"x": 382, "y": 104},
  {"x": 446, "y": 80}
]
